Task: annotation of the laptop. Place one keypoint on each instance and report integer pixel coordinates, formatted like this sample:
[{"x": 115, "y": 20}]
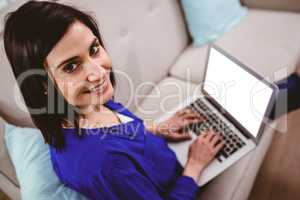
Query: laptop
[{"x": 235, "y": 102}]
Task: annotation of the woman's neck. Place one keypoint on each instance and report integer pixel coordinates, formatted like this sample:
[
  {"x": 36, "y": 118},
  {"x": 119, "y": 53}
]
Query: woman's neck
[{"x": 98, "y": 116}]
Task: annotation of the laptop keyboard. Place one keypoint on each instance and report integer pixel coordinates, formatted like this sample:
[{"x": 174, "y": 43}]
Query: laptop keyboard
[{"x": 211, "y": 120}]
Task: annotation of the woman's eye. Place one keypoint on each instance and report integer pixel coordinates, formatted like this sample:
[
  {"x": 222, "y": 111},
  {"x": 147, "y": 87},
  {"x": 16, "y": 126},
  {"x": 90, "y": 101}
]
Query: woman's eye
[
  {"x": 70, "y": 67},
  {"x": 94, "y": 50}
]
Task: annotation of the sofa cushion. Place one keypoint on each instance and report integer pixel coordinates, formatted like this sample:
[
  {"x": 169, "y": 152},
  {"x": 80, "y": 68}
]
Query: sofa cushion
[
  {"x": 209, "y": 19},
  {"x": 6, "y": 166},
  {"x": 8, "y": 180},
  {"x": 164, "y": 98},
  {"x": 31, "y": 158},
  {"x": 190, "y": 65},
  {"x": 266, "y": 41}
]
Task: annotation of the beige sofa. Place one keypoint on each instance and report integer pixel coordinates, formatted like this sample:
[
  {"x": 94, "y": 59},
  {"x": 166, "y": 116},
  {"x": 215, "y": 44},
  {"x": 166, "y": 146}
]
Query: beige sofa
[{"x": 149, "y": 42}]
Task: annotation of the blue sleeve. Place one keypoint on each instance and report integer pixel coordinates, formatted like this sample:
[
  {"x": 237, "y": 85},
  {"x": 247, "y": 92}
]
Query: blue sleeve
[{"x": 125, "y": 182}]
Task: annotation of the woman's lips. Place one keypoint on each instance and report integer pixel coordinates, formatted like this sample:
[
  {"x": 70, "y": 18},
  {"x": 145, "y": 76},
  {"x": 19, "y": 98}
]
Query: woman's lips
[{"x": 100, "y": 88}]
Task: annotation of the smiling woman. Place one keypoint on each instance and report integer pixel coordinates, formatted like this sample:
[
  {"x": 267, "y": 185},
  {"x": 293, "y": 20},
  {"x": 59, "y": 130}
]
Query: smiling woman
[
  {"x": 81, "y": 73},
  {"x": 97, "y": 146}
]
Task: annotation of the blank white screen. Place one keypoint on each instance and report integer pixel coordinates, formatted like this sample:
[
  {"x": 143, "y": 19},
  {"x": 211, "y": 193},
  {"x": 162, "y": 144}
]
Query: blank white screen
[{"x": 240, "y": 93}]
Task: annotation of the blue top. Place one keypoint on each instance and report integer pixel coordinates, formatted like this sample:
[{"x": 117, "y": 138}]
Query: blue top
[{"x": 121, "y": 162}]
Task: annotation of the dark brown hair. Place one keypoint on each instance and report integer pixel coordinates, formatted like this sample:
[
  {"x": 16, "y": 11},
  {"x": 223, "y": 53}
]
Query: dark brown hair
[{"x": 30, "y": 33}]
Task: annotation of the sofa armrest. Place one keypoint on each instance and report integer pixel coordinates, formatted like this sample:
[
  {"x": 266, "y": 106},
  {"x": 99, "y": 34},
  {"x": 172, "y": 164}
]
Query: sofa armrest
[{"x": 283, "y": 5}]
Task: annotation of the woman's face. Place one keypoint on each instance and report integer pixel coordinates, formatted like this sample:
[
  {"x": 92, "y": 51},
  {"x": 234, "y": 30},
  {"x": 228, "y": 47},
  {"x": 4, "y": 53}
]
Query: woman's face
[{"x": 80, "y": 67}]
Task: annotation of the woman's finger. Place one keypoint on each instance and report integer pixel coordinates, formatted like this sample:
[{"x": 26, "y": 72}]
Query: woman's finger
[
  {"x": 180, "y": 112},
  {"x": 191, "y": 115},
  {"x": 186, "y": 122},
  {"x": 210, "y": 135},
  {"x": 215, "y": 139},
  {"x": 218, "y": 147},
  {"x": 183, "y": 111},
  {"x": 203, "y": 134}
]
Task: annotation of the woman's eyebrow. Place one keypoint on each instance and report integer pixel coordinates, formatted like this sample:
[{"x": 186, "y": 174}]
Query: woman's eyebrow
[
  {"x": 75, "y": 57},
  {"x": 66, "y": 61}
]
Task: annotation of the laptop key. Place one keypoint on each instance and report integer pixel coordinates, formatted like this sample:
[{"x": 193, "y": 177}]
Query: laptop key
[
  {"x": 219, "y": 159},
  {"x": 223, "y": 153},
  {"x": 233, "y": 151},
  {"x": 239, "y": 145}
]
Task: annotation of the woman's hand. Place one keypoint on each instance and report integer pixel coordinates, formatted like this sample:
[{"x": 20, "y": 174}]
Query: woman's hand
[
  {"x": 201, "y": 152},
  {"x": 172, "y": 128}
]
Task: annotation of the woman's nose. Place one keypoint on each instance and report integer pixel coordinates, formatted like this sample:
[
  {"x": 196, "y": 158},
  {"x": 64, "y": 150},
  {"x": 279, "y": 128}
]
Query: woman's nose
[{"x": 94, "y": 71}]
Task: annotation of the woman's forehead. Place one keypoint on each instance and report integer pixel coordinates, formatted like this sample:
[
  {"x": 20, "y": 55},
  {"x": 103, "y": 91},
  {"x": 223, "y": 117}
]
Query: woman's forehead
[{"x": 76, "y": 41}]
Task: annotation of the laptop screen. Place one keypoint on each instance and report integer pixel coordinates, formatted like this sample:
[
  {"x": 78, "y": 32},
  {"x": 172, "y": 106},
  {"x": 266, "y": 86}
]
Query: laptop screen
[{"x": 236, "y": 90}]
